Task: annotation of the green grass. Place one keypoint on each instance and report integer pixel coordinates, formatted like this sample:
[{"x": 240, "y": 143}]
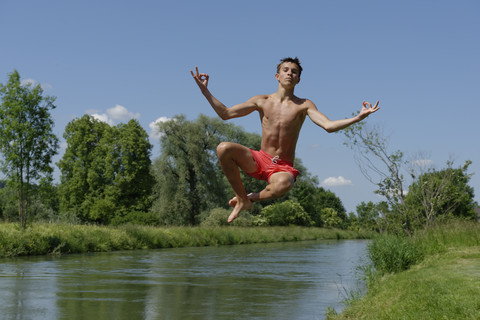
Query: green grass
[
  {"x": 393, "y": 253},
  {"x": 443, "y": 283},
  {"x": 41, "y": 239}
]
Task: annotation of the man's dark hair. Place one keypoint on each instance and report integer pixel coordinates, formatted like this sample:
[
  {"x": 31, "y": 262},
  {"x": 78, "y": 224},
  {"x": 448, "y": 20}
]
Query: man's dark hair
[{"x": 292, "y": 60}]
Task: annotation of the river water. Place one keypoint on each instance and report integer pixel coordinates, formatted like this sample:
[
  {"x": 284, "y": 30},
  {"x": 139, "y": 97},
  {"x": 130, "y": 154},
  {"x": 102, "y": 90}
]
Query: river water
[{"x": 293, "y": 280}]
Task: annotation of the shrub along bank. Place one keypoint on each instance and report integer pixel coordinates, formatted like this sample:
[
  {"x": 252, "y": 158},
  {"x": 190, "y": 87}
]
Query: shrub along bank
[{"x": 41, "y": 239}]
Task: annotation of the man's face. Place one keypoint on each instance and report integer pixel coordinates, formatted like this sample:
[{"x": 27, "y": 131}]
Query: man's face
[{"x": 288, "y": 75}]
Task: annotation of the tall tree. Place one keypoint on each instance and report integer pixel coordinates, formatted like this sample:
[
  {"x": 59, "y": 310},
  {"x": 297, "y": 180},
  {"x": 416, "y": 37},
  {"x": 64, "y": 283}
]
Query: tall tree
[
  {"x": 105, "y": 170},
  {"x": 133, "y": 178},
  {"x": 189, "y": 179},
  {"x": 439, "y": 194},
  {"x": 27, "y": 141},
  {"x": 381, "y": 166},
  {"x": 82, "y": 171}
]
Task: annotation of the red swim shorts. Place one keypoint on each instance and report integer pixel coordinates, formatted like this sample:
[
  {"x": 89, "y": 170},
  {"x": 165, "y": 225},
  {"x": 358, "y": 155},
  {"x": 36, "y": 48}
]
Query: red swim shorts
[{"x": 268, "y": 165}]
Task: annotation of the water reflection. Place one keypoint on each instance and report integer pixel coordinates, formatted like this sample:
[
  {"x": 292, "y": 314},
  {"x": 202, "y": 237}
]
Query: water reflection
[{"x": 296, "y": 280}]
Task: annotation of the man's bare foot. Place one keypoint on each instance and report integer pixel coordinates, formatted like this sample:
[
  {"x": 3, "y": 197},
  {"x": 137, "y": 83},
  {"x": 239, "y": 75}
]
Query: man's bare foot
[
  {"x": 233, "y": 202},
  {"x": 239, "y": 206}
]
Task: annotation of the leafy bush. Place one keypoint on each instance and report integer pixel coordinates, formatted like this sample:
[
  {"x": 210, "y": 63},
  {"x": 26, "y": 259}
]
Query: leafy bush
[
  {"x": 286, "y": 213},
  {"x": 330, "y": 218},
  {"x": 218, "y": 217},
  {"x": 102, "y": 210}
]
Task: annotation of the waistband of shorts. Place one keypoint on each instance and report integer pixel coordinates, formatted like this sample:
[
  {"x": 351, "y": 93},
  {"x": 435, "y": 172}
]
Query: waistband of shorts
[{"x": 278, "y": 161}]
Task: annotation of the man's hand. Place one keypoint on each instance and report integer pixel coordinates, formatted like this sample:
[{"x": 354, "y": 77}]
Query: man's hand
[
  {"x": 201, "y": 79},
  {"x": 367, "y": 109}
]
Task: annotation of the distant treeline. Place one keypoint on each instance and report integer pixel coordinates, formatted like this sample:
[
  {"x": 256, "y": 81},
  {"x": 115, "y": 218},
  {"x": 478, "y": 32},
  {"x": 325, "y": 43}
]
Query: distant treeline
[{"x": 107, "y": 176}]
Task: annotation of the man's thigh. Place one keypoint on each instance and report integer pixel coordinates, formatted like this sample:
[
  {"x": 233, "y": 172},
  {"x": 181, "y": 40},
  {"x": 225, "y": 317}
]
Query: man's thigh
[{"x": 241, "y": 155}]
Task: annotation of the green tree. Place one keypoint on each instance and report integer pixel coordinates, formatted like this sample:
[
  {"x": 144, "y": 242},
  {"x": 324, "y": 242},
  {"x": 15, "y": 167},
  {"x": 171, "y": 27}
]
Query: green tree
[
  {"x": 8, "y": 202},
  {"x": 189, "y": 179},
  {"x": 381, "y": 166},
  {"x": 374, "y": 216},
  {"x": 314, "y": 198},
  {"x": 133, "y": 179},
  {"x": 330, "y": 218},
  {"x": 105, "y": 171},
  {"x": 43, "y": 202},
  {"x": 304, "y": 189},
  {"x": 367, "y": 215},
  {"x": 440, "y": 194},
  {"x": 81, "y": 170},
  {"x": 27, "y": 141}
]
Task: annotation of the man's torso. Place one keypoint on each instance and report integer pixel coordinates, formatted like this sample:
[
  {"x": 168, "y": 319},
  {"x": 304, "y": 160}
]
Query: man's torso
[{"x": 281, "y": 124}]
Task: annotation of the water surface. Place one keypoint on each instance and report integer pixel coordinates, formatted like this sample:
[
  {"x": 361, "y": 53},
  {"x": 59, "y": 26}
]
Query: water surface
[{"x": 295, "y": 280}]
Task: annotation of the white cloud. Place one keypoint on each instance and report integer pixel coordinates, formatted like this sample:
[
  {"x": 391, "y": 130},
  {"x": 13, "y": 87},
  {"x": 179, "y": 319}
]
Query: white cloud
[
  {"x": 155, "y": 134},
  {"x": 336, "y": 182},
  {"x": 117, "y": 113},
  {"x": 121, "y": 113},
  {"x": 103, "y": 117}
]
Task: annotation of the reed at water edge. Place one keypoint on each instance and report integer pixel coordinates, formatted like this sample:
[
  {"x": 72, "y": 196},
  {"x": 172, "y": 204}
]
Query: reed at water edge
[{"x": 55, "y": 239}]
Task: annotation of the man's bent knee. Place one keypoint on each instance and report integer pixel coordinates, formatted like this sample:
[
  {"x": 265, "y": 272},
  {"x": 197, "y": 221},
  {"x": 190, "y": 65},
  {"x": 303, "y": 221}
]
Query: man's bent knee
[
  {"x": 282, "y": 184},
  {"x": 222, "y": 148},
  {"x": 284, "y": 187}
]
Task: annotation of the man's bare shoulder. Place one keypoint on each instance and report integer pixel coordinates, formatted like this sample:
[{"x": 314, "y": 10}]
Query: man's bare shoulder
[
  {"x": 308, "y": 104},
  {"x": 304, "y": 103},
  {"x": 260, "y": 99}
]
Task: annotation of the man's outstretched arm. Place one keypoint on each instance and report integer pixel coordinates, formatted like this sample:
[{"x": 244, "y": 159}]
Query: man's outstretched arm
[
  {"x": 223, "y": 112},
  {"x": 332, "y": 126}
]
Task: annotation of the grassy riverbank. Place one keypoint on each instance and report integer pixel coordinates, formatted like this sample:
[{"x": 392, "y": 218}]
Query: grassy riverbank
[
  {"x": 41, "y": 239},
  {"x": 433, "y": 275}
]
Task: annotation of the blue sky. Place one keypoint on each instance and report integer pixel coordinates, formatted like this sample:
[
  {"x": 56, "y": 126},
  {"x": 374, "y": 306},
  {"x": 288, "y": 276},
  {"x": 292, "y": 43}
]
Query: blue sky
[{"x": 131, "y": 59}]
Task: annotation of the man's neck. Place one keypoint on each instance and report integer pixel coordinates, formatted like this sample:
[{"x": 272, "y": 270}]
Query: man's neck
[{"x": 284, "y": 93}]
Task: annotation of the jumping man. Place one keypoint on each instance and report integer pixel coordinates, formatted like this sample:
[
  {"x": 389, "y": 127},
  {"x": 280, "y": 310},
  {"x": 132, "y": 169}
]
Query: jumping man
[{"x": 282, "y": 115}]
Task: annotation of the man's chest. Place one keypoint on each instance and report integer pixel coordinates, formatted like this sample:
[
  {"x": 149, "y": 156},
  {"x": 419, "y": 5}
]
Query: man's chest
[{"x": 283, "y": 113}]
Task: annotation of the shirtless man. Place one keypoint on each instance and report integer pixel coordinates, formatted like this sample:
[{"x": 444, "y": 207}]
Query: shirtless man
[{"x": 282, "y": 115}]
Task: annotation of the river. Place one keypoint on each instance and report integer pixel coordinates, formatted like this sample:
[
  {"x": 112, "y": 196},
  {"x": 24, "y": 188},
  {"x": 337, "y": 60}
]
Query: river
[{"x": 292, "y": 280}]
